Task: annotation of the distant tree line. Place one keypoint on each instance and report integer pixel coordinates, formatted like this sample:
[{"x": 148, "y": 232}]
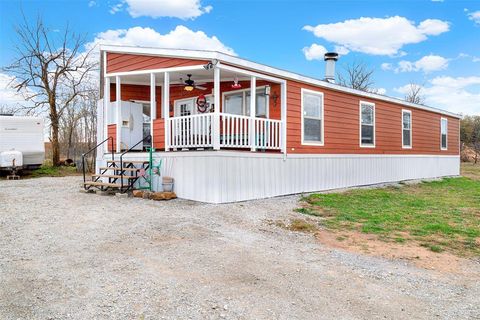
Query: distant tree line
[{"x": 470, "y": 138}]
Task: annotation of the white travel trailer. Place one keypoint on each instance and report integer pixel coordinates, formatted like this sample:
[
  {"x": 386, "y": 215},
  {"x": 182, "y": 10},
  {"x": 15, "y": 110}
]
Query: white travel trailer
[{"x": 21, "y": 142}]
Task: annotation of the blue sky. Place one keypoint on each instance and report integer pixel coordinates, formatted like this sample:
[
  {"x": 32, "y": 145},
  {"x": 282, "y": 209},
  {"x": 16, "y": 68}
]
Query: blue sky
[{"x": 433, "y": 43}]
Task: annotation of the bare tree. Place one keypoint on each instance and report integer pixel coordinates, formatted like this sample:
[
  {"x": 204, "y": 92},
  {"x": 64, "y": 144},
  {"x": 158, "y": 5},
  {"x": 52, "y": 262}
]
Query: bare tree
[
  {"x": 358, "y": 76},
  {"x": 49, "y": 70},
  {"x": 414, "y": 93},
  {"x": 7, "y": 109}
]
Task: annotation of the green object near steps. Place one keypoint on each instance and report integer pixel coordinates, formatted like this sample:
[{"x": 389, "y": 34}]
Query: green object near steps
[{"x": 151, "y": 167}]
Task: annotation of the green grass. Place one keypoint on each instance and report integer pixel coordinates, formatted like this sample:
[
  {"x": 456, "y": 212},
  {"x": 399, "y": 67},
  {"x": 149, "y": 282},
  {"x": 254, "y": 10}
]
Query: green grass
[
  {"x": 440, "y": 215},
  {"x": 51, "y": 171}
]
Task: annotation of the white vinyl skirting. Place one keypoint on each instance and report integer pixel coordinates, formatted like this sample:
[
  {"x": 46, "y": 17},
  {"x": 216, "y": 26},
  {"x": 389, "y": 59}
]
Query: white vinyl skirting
[{"x": 230, "y": 176}]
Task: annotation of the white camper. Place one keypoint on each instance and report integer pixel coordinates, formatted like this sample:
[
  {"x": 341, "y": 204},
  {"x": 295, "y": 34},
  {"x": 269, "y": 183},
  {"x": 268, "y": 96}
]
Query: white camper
[{"x": 21, "y": 142}]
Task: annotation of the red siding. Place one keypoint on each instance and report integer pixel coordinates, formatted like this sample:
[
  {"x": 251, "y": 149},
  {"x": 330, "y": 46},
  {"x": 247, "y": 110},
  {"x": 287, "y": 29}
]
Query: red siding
[
  {"x": 137, "y": 92},
  {"x": 342, "y": 126},
  {"x": 120, "y": 62},
  {"x": 341, "y": 113},
  {"x": 159, "y": 134},
  {"x": 112, "y": 132}
]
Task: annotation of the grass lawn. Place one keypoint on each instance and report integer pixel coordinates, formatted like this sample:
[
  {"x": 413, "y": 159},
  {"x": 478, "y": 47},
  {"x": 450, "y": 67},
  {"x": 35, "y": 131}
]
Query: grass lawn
[
  {"x": 51, "y": 171},
  {"x": 440, "y": 215}
]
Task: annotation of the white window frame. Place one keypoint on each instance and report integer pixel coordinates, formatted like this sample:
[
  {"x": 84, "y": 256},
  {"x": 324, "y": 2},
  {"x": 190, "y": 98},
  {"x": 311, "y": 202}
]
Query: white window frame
[
  {"x": 411, "y": 131},
  {"x": 446, "y": 133},
  {"x": 246, "y": 107},
  {"x": 322, "y": 119},
  {"x": 362, "y": 145}
]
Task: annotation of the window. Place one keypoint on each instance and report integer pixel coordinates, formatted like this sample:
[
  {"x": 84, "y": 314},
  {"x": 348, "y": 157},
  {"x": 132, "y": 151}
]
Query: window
[
  {"x": 312, "y": 117},
  {"x": 367, "y": 124},
  {"x": 238, "y": 102},
  {"x": 443, "y": 133},
  {"x": 406, "y": 129},
  {"x": 234, "y": 103}
]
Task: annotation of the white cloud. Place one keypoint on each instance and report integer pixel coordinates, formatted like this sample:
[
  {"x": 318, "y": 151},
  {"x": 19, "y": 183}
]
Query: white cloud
[
  {"x": 9, "y": 96},
  {"x": 431, "y": 63},
  {"x": 455, "y": 83},
  {"x": 183, "y": 9},
  {"x": 426, "y": 64},
  {"x": 179, "y": 38},
  {"x": 314, "y": 52},
  {"x": 381, "y": 91},
  {"x": 475, "y": 17},
  {"x": 116, "y": 8},
  {"x": 91, "y": 3},
  {"x": 341, "y": 50},
  {"x": 460, "y": 95},
  {"x": 386, "y": 66},
  {"x": 433, "y": 27},
  {"x": 378, "y": 36}
]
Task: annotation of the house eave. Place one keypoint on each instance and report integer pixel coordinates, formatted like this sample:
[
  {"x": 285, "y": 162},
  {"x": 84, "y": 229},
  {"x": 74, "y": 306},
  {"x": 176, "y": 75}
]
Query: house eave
[{"x": 247, "y": 64}]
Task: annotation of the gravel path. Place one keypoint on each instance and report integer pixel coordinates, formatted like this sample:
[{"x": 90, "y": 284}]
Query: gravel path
[{"x": 70, "y": 255}]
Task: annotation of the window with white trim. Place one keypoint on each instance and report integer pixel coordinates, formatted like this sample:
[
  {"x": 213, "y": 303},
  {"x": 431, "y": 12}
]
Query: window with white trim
[
  {"x": 406, "y": 129},
  {"x": 238, "y": 102},
  {"x": 367, "y": 124},
  {"x": 443, "y": 133},
  {"x": 312, "y": 117}
]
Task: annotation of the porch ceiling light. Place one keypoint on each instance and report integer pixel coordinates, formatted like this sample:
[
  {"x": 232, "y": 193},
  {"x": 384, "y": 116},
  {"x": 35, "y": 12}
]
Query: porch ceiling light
[
  {"x": 189, "y": 83},
  {"x": 235, "y": 84}
]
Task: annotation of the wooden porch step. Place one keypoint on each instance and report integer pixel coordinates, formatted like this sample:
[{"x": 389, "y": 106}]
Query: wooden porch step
[
  {"x": 112, "y": 176},
  {"x": 102, "y": 184},
  {"x": 118, "y": 169},
  {"x": 128, "y": 161}
]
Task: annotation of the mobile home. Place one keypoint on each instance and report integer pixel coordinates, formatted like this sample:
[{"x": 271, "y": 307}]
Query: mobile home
[
  {"x": 21, "y": 142},
  {"x": 228, "y": 129}
]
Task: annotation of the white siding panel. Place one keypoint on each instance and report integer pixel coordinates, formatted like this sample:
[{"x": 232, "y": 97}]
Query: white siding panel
[{"x": 230, "y": 176}]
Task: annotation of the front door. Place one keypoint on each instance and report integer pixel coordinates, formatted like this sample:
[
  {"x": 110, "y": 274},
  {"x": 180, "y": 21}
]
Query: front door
[{"x": 184, "y": 108}]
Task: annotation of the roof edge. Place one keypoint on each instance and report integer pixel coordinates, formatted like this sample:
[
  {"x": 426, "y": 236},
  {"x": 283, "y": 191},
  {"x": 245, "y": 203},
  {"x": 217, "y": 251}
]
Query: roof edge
[{"x": 240, "y": 62}]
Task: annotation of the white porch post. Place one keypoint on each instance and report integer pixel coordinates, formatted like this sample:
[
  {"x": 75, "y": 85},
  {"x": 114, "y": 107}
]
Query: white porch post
[
  {"x": 153, "y": 105},
  {"x": 166, "y": 108},
  {"x": 118, "y": 105},
  {"x": 216, "y": 115},
  {"x": 283, "y": 131},
  {"x": 253, "y": 101},
  {"x": 106, "y": 107}
]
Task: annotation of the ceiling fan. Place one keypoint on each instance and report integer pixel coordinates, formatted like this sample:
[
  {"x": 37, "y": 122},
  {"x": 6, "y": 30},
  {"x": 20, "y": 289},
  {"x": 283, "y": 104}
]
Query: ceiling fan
[{"x": 189, "y": 84}]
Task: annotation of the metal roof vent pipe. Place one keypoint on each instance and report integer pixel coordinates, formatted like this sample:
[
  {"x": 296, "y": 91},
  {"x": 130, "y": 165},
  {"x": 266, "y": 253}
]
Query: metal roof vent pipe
[{"x": 330, "y": 59}]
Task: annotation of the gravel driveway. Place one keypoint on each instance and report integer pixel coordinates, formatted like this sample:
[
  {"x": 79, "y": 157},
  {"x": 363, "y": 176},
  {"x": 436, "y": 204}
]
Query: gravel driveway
[{"x": 70, "y": 255}]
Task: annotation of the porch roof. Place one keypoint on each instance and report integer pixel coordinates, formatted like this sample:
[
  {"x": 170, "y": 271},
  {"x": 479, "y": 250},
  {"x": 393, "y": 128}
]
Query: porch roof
[{"x": 254, "y": 66}]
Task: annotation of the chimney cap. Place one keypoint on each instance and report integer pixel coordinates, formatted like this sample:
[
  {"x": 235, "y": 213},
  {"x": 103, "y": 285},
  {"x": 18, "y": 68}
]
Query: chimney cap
[{"x": 331, "y": 56}]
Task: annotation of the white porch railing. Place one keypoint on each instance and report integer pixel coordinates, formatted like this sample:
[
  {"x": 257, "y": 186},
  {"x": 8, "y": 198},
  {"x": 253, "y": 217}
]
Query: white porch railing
[
  {"x": 267, "y": 133},
  {"x": 195, "y": 131},
  {"x": 234, "y": 131}
]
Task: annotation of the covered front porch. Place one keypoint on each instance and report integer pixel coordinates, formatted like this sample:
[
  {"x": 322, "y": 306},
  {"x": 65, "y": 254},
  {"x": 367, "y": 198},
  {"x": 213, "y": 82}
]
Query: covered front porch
[{"x": 207, "y": 106}]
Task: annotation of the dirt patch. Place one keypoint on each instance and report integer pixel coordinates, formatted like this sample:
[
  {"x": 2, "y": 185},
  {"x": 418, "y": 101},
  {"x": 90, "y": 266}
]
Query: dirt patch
[
  {"x": 298, "y": 225},
  {"x": 409, "y": 251}
]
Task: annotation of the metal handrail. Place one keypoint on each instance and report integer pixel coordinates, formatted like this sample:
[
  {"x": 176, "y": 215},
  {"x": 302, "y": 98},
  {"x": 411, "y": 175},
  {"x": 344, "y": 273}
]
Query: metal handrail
[
  {"x": 121, "y": 158},
  {"x": 95, "y": 148}
]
